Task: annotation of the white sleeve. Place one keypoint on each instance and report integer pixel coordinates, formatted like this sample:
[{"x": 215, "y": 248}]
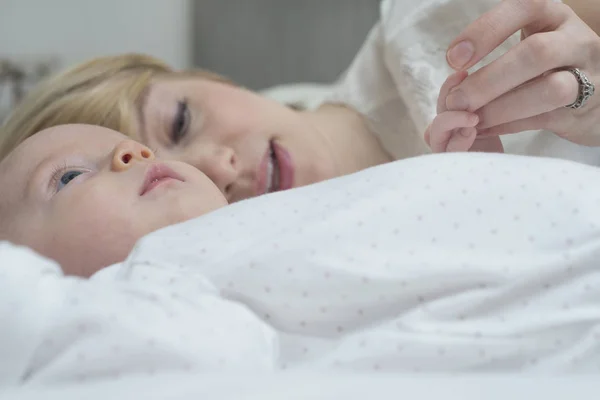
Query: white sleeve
[
  {"x": 64, "y": 329},
  {"x": 368, "y": 87},
  {"x": 395, "y": 78},
  {"x": 416, "y": 36}
]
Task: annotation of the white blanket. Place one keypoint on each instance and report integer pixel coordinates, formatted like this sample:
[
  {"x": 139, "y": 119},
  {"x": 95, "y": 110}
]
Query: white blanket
[{"x": 434, "y": 264}]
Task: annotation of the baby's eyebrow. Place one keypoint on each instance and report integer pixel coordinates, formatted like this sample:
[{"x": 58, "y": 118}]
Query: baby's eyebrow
[
  {"x": 10, "y": 174},
  {"x": 35, "y": 174}
]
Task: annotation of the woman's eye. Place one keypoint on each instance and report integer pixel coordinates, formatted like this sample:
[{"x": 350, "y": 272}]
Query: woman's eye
[
  {"x": 181, "y": 122},
  {"x": 67, "y": 177}
]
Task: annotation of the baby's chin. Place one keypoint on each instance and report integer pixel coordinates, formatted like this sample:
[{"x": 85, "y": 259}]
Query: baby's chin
[
  {"x": 179, "y": 218},
  {"x": 86, "y": 260},
  {"x": 87, "y": 265},
  {"x": 87, "y": 254},
  {"x": 187, "y": 208}
]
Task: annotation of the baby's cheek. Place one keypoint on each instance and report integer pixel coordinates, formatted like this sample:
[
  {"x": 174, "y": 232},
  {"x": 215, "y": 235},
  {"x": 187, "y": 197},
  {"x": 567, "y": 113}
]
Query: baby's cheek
[
  {"x": 89, "y": 232},
  {"x": 86, "y": 209}
]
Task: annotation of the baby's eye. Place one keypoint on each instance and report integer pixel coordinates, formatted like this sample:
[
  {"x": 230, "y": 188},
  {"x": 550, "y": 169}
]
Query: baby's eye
[{"x": 67, "y": 177}]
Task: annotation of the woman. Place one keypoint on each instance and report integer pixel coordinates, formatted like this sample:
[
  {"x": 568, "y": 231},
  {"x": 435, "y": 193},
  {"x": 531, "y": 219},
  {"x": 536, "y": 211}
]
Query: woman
[{"x": 249, "y": 145}]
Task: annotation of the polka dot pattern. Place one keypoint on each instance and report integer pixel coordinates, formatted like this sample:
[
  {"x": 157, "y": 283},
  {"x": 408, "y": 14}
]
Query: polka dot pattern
[
  {"x": 425, "y": 272},
  {"x": 83, "y": 330},
  {"x": 446, "y": 266}
]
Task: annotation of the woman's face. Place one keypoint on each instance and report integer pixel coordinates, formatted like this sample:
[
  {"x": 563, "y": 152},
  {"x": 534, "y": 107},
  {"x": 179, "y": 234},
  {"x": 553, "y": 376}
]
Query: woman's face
[{"x": 247, "y": 144}]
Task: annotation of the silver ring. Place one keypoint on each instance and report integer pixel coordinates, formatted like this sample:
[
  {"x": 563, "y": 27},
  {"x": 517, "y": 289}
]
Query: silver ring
[{"x": 586, "y": 89}]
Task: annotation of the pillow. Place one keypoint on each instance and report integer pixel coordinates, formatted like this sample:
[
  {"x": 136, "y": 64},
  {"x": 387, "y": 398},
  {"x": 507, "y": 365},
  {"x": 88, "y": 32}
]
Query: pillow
[{"x": 300, "y": 95}]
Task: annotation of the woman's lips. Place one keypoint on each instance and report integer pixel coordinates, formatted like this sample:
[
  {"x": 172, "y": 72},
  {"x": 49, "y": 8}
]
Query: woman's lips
[
  {"x": 275, "y": 171},
  {"x": 156, "y": 175}
]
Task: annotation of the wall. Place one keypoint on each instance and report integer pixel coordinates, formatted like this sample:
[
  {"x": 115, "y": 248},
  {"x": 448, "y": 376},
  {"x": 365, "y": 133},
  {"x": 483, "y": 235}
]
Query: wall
[
  {"x": 76, "y": 30},
  {"x": 260, "y": 43}
]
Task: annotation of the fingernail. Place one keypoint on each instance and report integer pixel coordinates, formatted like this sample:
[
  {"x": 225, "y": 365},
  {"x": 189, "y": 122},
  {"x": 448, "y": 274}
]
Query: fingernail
[
  {"x": 461, "y": 54},
  {"x": 457, "y": 101}
]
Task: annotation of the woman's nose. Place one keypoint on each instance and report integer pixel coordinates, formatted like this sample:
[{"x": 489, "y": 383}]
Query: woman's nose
[
  {"x": 222, "y": 169},
  {"x": 128, "y": 151}
]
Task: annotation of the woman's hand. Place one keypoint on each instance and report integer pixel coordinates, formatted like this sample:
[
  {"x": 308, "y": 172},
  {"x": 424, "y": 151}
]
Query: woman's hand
[
  {"x": 528, "y": 87},
  {"x": 453, "y": 131}
]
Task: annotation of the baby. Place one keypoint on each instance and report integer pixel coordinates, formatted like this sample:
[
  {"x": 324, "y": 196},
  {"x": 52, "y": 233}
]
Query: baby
[
  {"x": 453, "y": 131},
  {"x": 83, "y": 195}
]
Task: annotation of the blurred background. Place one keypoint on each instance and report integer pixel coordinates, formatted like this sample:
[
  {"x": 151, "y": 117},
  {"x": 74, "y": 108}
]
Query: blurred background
[{"x": 257, "y": 43}]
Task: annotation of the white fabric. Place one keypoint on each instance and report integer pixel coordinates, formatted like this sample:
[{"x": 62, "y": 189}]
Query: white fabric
[
  {"x": 446, "y": 263},
  {"x": 58, "y": 329},
  {"x": 319, "y": 386},
  {"x": 308, "y": 96},
  {"x": 395, "y": 78}
]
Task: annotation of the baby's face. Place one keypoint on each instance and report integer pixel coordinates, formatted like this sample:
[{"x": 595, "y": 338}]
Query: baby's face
[{"x": 83, "y": 195}]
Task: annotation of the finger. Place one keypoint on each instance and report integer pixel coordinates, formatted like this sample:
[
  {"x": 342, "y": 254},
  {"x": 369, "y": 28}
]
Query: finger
[
  {"x": 461, "y": 140},
  {"x": 497, "y": 25},
  {"x": 428, "y": 135},
  {"x": 557, "y": 14},
  {"x": 529, "y": 59},
  {"x": 540, "y": 96},
  {"x": 439, "y": 141},
  {"x": 558, "y": 121},
  {"x": 451, "y": 82},
  {"x": 443, "y": 126},
  {"x": 490, "y": 144}
]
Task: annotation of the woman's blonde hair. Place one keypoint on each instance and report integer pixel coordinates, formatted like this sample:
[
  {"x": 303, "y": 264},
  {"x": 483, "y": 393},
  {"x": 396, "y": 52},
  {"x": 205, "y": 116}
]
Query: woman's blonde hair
[{"x": 105, "y": 91}]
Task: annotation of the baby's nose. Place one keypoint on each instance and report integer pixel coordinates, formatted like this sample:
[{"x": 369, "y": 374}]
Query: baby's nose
[{"x": 127, "y": 151}]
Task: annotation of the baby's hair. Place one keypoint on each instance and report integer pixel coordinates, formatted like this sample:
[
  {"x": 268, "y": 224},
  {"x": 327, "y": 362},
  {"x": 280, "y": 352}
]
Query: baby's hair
[
  {"x": 105, "y": 91},
  {"x": 3, "y": 224},
  {"x": 6, "y": 219}
]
